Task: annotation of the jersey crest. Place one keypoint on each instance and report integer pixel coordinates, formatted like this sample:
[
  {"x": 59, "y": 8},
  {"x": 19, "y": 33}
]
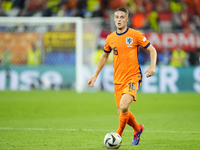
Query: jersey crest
[{"x": 129, "y": 41}]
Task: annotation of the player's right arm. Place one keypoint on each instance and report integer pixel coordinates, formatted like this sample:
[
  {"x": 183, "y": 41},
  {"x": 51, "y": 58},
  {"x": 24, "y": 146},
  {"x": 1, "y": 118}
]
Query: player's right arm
[
  {"x": 153, "y": 55},
  {"x": 102, "y": 61}
]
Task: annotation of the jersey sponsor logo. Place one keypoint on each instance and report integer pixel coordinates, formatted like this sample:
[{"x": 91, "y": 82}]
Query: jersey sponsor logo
[{"x": 129, "y": 41}]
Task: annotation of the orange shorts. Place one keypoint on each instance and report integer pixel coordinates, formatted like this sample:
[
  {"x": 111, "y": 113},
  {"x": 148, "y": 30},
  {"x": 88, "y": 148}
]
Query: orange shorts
[{"x": 130, "y": 87}]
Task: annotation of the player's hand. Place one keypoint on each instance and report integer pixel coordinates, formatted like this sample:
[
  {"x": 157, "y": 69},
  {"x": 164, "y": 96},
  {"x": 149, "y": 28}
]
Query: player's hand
[
  {"x": 149, "y": 72},
  {"x": 91, "y": 81}
]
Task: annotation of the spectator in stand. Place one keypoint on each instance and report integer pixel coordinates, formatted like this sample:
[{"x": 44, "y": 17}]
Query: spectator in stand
[
  {"x": 34, "y": 55},
  {"x": 5, "y": 7},
  {"x": 11, "y": 7},
  {"x": 178, "y": 57},
  {"x": 187, "y": 18},
  {"x": 194, "y": 57},
  {"x": 97, "y": 54},
  {"x": 148, "y": 5},
  {"x": 68, "y": 9},
  {"x": 93, "y": 5},
  {"x": 82, "y": 9},
  {"x": 62, "y": 12},
  {"x": 197, "y": 5},
  {"x": 99, "y": 12},
  {"x": 19, "y": 4},
  {"x": 153, "y": 20},
  {"x": 139, "y": 4},
  {"x": 131, "y": 6},
  {"x": 176, "y": 7},
  {"x": 113, "y": 4},
  {"x": 162, "y": 5},
  {"x": 40, "y": 8},
  {"x": 191, "y": 5},
  {"x": 6, "y": 60},
  {"x": 34, "y": 8},
  {"x": 164, "y": 57},
  {"x": 52, "y": 7},
  {"x": 139, "y": 19}
]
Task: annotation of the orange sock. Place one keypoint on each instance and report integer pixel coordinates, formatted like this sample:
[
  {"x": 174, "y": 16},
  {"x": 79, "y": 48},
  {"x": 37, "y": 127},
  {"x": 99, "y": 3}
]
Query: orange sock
[
  {"x": 132, "y": 122},
  {"x": 123, "y": 119}
]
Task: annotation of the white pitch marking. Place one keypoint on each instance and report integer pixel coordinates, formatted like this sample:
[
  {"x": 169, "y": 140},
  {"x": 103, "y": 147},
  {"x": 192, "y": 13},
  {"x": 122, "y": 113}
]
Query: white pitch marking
[{"x": 92, "y": 130}]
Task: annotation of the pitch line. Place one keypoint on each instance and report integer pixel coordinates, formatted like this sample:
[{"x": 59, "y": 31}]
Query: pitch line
[{"x": 90, "y": 130}]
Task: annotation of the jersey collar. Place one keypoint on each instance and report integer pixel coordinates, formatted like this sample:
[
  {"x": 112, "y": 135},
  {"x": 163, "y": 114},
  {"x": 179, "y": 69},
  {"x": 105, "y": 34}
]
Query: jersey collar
[{"x": 123, "y": 32}]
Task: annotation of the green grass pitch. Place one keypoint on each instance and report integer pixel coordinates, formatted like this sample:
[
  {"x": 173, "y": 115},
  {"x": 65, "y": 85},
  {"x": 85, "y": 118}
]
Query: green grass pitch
[{"x": 65, "y": 120}]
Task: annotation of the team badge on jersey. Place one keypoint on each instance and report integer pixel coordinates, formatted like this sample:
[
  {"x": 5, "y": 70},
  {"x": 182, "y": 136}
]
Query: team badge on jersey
[{"x": 129, "y": 41}]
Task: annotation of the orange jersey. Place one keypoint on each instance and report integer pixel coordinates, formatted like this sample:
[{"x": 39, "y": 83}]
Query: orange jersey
[{"x": 125, "y": 53}]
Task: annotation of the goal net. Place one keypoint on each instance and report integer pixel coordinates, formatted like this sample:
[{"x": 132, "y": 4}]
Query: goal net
[{"x": 45, "y": 53}]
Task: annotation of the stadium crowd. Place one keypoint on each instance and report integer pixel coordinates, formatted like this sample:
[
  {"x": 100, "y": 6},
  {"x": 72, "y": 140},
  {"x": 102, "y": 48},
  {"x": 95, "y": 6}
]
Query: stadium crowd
[
  {"x": 145, "y": 14},
  {"x": 148, "y": 15}
]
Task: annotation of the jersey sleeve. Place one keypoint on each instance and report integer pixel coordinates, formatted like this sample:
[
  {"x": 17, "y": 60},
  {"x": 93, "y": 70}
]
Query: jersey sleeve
[
  {"x": 142, "y": 41},
  {"x": 107, "y": 47}
]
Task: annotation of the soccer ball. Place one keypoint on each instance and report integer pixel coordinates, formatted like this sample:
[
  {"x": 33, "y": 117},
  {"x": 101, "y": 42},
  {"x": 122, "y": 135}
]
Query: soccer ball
[{"x": 112, "y": 140}]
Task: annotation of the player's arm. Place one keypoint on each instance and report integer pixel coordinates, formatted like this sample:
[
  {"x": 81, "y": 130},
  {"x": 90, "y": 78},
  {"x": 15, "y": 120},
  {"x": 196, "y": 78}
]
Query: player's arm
[
  {"x": 153, "y": 55},
  {"x": 102, "y": 61}
]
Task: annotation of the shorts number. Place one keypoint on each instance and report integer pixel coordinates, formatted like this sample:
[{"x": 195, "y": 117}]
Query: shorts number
[{"x": 131, "y": 86}]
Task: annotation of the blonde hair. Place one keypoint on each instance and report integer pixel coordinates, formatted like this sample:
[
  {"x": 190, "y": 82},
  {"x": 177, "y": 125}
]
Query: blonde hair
[{"x": 122, "y": 9}]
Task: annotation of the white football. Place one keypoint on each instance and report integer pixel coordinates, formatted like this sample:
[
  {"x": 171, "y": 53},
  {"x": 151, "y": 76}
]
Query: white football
[{"x": 112, "y": 140}]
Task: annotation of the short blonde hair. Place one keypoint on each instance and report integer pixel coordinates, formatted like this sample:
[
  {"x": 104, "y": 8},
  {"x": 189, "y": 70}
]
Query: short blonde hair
[{"x": 122, "y": 9}]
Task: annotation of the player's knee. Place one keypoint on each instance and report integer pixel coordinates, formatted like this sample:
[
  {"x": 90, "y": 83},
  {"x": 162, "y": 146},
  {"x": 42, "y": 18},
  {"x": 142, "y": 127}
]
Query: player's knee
[{"x": 123, "y": 108}]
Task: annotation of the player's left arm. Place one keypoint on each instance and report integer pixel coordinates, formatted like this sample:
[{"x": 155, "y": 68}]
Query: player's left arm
[{"x": 153, "y": 55}]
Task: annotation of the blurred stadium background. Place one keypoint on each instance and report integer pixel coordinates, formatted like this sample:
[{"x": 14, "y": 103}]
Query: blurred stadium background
[{"x": 40, "y": 54}]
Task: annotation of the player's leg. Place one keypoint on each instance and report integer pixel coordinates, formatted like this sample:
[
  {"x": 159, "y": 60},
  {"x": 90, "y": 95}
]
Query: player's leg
[
  {"x": 125, "y": 103},
  {"x": 138, "y": 129},
  {"x": 133, "y": 123},
  {"x": 132, "y": 88}
]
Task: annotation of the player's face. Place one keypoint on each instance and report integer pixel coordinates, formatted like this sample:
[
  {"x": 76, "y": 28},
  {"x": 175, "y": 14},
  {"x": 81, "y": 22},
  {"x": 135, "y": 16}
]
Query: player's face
[{"x": 121, "y": 20}]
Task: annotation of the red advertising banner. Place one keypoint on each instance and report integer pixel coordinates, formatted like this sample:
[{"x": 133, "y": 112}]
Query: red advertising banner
[{"x": 188, "y": 41}]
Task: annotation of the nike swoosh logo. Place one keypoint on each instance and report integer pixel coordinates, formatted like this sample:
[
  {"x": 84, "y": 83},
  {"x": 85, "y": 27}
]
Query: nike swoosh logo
[
  {"x": 112, "y": 43},
  {"x": 122, "y": 121}
]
